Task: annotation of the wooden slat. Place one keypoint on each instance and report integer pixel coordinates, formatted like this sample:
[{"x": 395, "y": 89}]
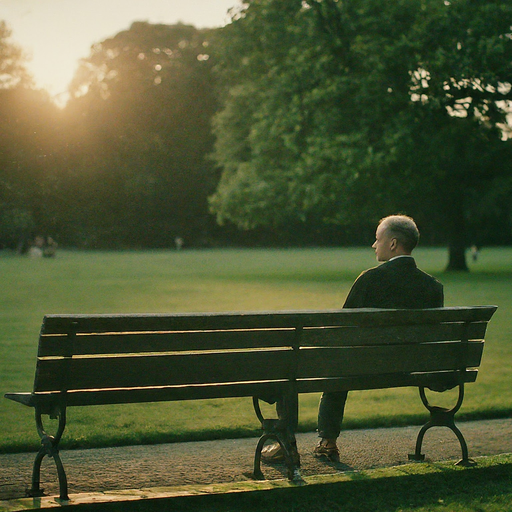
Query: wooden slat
[
  {"x": 377, "y": 317},
  {"x": 62, "y": 324},
  {"x": 152, "y": 394},
  {"x": 163, "y": 370},
  {"x": 384, "y": 359},
  {"x": 393, "y": 380},
  {"x": 120, "y": 396},
  {"x": 123, "y": 343},
  {"x": 130, "y": 343},
  {"x": 406, "y": 334}
]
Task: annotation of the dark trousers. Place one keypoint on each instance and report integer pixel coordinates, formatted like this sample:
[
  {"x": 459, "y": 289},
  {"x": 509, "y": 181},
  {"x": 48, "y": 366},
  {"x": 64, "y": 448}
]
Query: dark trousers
[{"x": 330, "y": 414}]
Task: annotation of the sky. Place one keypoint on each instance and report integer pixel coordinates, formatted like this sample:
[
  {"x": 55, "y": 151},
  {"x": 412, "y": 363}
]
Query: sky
[{"x": 57, "y": 33}]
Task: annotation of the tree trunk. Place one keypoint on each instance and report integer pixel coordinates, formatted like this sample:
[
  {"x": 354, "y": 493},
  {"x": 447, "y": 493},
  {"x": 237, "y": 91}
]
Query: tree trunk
[
  {"x": 457, "y": 258},
  {"x": 457, "y": 242}
]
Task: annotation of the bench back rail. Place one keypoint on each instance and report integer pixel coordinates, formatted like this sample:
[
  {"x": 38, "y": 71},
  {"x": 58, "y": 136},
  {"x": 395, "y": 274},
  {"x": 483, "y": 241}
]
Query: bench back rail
[{"x": 389, "y": 356}]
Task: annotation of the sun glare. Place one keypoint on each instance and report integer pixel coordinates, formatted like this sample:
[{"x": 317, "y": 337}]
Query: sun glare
[{"x": 56, "y": 34}]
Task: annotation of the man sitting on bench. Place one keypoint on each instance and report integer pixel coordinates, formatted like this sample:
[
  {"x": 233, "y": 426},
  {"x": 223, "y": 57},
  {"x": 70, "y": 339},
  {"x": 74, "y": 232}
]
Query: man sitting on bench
[{"x": 397, "y": 284}]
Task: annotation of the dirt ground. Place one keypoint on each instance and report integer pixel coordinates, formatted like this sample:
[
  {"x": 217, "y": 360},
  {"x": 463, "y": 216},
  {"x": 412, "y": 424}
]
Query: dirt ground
[{"x": 138, "y": 467}]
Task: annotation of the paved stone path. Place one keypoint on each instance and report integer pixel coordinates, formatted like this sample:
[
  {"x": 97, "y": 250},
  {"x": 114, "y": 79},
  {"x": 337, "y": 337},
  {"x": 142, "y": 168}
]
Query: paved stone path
[{"x": 137, "y": 467}]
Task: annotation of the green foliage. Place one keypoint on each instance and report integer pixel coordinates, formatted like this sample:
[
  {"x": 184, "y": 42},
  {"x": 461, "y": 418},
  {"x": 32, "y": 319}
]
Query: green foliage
[
  {"x": 139, "y": 120},
  {"x": 223, "y": 280},
  {"x": 334, "y": 114},
  {"x": 334, "y": 111},
  {"x": 29, "y": 144},
  {"x": 125, "y": 163},
  {"x": 15, "y": 225},
  {"x": 12, "y": 61}
]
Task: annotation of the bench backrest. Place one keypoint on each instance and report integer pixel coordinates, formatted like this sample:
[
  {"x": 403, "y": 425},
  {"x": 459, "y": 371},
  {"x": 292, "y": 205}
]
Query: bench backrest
[
  {"x": 96, "y": 359},
  {"x": 391, "y": 348}
]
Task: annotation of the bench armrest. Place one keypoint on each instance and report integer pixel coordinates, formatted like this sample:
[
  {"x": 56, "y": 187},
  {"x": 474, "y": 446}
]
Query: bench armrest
[{"x": 22, "y": 398}]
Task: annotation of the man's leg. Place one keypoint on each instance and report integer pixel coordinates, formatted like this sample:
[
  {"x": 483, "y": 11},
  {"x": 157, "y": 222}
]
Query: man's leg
[
  {"x": 330, "y": 414},
  {"x": 287, "y": 414},
  {"x": 330, "y": 417}
]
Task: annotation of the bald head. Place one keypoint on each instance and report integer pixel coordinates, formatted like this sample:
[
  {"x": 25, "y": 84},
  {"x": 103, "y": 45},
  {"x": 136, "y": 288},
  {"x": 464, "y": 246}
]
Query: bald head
[{"x": 396, "y": 235}]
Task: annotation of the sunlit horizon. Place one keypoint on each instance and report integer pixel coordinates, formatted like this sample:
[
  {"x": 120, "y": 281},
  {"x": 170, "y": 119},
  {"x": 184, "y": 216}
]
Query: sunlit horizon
[{"x": 56, "y": 34}]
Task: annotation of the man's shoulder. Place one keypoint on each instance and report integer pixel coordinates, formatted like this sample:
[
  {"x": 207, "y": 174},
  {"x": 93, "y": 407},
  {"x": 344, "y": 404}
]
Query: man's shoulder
[
  {"x": 385, "y": 267},
  {"x": 397, "y": 269},
  {"x": 429, "y": 276},
  {"x": 395, "y": 284},
  {"x": 369, "y": 273}
]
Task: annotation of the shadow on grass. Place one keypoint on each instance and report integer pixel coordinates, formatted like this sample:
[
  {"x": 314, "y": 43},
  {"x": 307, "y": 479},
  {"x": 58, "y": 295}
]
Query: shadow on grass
[{"x": 437, "y": 487}]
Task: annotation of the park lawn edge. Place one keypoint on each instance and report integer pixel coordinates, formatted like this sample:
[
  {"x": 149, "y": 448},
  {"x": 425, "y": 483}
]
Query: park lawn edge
[
  {"x": 252, "y": 494},
  {"x": 133, "y": 439}
]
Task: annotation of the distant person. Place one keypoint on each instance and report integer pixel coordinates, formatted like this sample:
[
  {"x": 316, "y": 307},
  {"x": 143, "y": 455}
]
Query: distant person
[
  {"x": 178, "y": 242},
  {"x": 36, "y": 247},
  {"x": 397, "y": 283},
  {"x": 474, "y": 253},
  {"x": 50, "y": 248}
]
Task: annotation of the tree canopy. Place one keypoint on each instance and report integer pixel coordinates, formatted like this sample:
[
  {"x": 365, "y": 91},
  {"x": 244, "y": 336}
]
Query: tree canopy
[
  {"x": 27, "y": 144},
  {"x": 140, "y": 123},
  {"x": 332, "y": 114},
  {"x": 124, "y": 164},
  {"x": 12, "y": 61},
  {"x": 341, "y": 110}
]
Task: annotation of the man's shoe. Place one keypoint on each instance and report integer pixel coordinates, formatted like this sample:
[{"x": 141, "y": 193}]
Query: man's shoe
[
  {"x": 328, "y": 449},
  {"x": 272, "y": 453}
]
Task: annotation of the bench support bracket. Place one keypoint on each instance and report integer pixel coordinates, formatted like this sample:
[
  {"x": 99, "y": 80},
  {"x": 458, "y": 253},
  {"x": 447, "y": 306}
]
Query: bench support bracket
[
  {"x": 49, "y": 447},
  {"x": 281, "y": 430},
  {"x": 442, "y": 417}
]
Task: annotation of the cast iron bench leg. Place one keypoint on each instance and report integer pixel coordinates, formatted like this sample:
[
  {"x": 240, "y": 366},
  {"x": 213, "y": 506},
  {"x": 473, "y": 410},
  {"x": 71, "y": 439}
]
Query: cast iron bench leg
[
  {"x": 442, "y": 417},
  {"x": 35, "y": 491},
  {"x": 291, "y": 456},
  {"x": 280, "y": 431},
  {"x": 50, "y": 447}
]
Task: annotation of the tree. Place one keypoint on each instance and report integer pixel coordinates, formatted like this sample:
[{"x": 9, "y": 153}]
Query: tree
[
  {"x": 462, "y": 88},
  {"x": 30, "y": 142},
  {"x": 12, "y": 61},
  {"x": 347, "y": 110},
  {"x": 28, "y": 139},
  {"x": 140, "y": 122}
]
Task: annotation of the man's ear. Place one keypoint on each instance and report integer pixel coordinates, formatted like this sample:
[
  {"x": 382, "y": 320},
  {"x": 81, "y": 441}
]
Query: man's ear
[{"x": 394, "y": 244}]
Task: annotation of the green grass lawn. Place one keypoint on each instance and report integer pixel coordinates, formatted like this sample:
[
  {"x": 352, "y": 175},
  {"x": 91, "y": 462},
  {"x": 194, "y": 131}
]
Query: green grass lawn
[
  {"x": 440, "y": 487},
  {"x": 224, "y": 280},
  {"x": 410, "y": 488}
]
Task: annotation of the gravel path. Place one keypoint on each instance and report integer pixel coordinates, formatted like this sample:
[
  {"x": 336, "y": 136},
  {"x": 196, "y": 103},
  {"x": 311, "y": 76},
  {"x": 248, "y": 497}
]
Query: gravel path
[{"x": 137, "y": 467}]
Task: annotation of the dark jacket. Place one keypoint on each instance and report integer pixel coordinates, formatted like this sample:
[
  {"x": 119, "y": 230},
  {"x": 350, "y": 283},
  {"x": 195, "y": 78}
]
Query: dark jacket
[{"x": 396, "y": 284}]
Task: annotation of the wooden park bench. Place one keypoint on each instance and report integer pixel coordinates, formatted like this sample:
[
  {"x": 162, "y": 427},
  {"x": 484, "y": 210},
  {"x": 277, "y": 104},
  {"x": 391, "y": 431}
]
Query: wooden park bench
[{"x": 88, "y": 360}]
